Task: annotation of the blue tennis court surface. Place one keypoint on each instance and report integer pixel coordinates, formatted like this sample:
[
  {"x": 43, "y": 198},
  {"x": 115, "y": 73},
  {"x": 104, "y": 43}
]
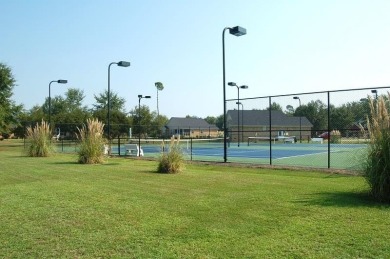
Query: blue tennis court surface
[
  {"x": 278, "y": 151},
  {"x": 254, "y": 153}
]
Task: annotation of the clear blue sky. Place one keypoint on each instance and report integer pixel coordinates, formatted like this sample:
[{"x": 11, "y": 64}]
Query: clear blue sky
[{"x": 290, "y": 47}]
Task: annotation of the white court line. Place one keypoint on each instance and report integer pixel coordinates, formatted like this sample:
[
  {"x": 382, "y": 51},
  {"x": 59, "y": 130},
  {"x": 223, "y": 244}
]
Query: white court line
[{"x": 308, "y": 154}]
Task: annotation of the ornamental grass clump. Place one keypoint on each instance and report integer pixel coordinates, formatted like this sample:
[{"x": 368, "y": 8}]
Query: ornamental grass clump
[
  {"x": 171, "y": 161},
  {"x": 335, "y": 137},
  {"x": 39, "y": 140},
  {"x": 376, "y": 167},
  {"x": 92, "y": 142}
]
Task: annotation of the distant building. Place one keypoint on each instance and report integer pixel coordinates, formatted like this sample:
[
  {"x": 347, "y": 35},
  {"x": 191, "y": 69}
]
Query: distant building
[
  {"x": 256, "y": 123},
  {"x": 190, "y": 128}
]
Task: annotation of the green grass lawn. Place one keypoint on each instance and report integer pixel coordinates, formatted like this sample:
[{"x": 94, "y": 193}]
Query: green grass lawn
[{"x": 54, "y": 207}]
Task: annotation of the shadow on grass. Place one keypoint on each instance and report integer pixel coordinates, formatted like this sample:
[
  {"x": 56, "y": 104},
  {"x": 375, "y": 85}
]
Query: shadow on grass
[
  {"x": 77, "y": 163},
  {"x": 343, "y": 199}
]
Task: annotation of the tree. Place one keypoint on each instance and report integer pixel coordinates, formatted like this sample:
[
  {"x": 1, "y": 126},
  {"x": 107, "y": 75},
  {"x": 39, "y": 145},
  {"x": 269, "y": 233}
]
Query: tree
[
  {"x": 211, "y": 120},
  {"x": 116, "y": 102},
  {"x": 67, "y": 113},
  {"x": 149, "y": 124},
  {"x": 118, "y": 119},
  {"x": 360, "y": 110},
  {"x": 341, "y": 118},
  {"x": 57, "y": 106},
  {"x": 289, "y": 110},
  {"x": 35, "y": 114},
  {"x": 316, "y": 113},
  {"x": 192, "y": 116},
  {"x": 7, "y": 83},
  {"x": 142, "y": 120},
  {"x": 74, "y": 98},
  {"x": 159, "y": 87},
  {"x": 158, "y": 123},
  {"x": 8, "y": 110},
  {"x": 275, "y": 107},
  {"x": 219, "y": 122}
]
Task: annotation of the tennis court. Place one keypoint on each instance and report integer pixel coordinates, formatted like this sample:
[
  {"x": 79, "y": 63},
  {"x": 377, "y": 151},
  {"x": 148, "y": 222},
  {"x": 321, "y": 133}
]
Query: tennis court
[
  {"x": 343, "y": 156},
  {"x": 340, "y": 156}
]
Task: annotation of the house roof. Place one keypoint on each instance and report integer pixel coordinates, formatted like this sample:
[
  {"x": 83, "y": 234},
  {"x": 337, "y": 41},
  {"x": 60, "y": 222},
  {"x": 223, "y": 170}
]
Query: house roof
[
  {"x": 261, "y": 118},
  {"x": 176, "y": 122}
]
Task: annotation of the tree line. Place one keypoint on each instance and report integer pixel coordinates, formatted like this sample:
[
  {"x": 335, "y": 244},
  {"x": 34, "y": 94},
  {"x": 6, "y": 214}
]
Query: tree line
[
  {"x": 68, "y": 112},
  {"x": 345, "y": 117}
]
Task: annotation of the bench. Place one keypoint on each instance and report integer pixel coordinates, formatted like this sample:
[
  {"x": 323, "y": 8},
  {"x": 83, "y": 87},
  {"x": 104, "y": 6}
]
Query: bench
[
  {"x": 106, "y": 150},
  {"x": 286, "y": 139},
  {"x": 132, "y": 150},
  {"x": 289, "y": 140},
  {"x": 321, "y": 140},
  {"x": 56, "y": 137}
]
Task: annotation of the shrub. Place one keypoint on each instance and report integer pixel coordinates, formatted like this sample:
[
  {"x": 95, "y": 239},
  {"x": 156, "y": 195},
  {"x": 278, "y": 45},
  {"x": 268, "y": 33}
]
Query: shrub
[
  {"x": 376, "y": 167},
  {"x": 172, "y": 161},
  {"x": 39, "y": 140},
  {"x": 335, "y": 137},
  {"x": 91, "y": 139}
]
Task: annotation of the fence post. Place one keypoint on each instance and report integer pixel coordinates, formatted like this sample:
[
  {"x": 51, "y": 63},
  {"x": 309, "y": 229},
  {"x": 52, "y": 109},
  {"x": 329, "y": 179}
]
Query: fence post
[
  {"x": 329, "y": 136},
  {"x": 119, "y": 146},
  {"x": 270, "y": 132},
  {"x": 191, "y": 148}
]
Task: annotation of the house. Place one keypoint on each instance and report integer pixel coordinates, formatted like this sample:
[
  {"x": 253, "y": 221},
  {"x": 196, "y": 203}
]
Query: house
[
  {"x": 256, "y": 123},
  {"x": 359, "y": 129},
  {"x": 190, "y": 128}
]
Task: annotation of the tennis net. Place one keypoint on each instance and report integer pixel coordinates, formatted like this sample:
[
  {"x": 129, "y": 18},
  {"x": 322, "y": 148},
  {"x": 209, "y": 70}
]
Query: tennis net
[{"x": 157, "y": 145}]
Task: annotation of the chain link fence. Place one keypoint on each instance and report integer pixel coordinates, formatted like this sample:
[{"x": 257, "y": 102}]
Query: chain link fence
[{"x": 316, "y": 129}]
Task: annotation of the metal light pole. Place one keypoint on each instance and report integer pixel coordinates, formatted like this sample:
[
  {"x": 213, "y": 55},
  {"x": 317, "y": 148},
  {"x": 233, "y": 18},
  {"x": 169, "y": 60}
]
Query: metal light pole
[
  {"x": 60, "y": 81},
  {"x": 242, "y": 120},
  {"x": 236, "y": 31},
  {"x": 300, "y": 120},
  {"x": 238, "y": 106},
  {"x": 139, "y": 121},
  {"x": 376, "y": 98},
  {"x": 376, "y": 93},
  {"x": 120, "y": 64}
]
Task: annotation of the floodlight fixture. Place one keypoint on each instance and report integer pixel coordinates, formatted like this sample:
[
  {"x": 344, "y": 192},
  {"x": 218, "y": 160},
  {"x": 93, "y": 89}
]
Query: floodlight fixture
[
  {"x": 123, "y": 63},
  {"x": 237, "y": 31}
]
